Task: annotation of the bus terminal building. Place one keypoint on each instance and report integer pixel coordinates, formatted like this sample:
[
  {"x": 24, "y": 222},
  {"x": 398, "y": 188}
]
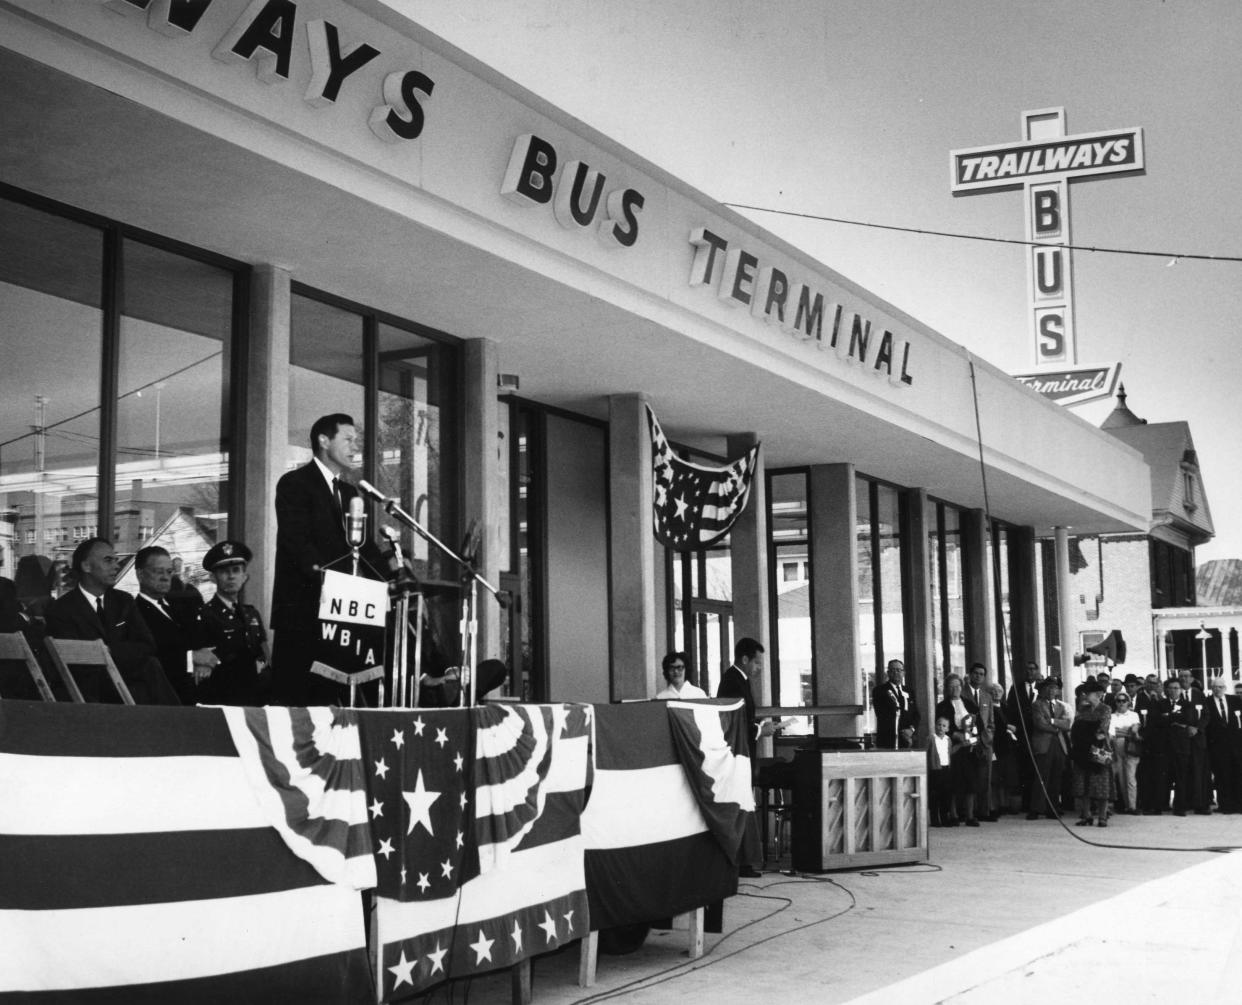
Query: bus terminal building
[{"x": 221, "y": 220}]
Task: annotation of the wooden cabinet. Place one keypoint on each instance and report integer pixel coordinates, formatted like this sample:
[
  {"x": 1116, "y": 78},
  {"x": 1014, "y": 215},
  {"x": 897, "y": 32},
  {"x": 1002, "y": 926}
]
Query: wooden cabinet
[{"x": 857, "y": 809}]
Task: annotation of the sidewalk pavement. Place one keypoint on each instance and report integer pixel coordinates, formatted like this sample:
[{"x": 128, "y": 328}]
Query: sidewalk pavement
[{"x": 1013, "y": 911}]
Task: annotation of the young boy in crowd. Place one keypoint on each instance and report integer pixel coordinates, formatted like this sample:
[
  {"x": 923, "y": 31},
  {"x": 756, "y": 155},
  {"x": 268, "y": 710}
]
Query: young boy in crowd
[
  {"x": 940, "y": 804},
  {"x": 236, "y": 632}
]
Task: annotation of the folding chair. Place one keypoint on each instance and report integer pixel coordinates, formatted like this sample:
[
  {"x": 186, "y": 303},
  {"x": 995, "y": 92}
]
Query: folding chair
[
  {"x": 74, "y": 652},
  {"x": 13, "y": 646}
]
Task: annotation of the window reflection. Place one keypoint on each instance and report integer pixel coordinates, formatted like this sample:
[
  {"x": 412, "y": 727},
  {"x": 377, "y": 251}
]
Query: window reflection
[
  {"x": 793, "y": 649},
  {"x": 50, "y": 283},
  {"x": 172, "y": 408}
]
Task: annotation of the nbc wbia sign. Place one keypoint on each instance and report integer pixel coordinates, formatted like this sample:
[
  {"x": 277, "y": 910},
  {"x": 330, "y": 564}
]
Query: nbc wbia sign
[
  {"x": 1076, "y": 385},
  {"x": 352, "y": 614}
]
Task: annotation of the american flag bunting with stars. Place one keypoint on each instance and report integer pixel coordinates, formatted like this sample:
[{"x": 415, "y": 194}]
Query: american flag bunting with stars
[
  {"x": 527, "y": 788},
  {"x": 695, "y": 505}
]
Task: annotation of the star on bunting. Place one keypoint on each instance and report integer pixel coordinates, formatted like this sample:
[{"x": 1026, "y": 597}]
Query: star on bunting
[
  {"x": 419, "y": 802},
  {"x": 482, "y": 948},
  {"x": 403, "y": 971},
  {"x": 549, "y": 928},
  {"x": 437, "y": 959}
]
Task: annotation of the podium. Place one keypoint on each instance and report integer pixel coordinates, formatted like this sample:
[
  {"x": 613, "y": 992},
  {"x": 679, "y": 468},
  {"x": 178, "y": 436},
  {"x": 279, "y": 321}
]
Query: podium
[{"x": 856, "y": 809}]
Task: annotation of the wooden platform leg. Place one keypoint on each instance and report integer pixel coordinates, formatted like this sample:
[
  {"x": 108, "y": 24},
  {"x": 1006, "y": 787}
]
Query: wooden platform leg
[
  {"x": 589, "y": 956},
  {"x": 696, "y": 933},
  {"x": 519, "y": 976}
]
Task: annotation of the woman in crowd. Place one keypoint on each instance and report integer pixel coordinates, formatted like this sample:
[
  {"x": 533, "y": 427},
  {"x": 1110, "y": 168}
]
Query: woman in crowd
[
  {"x": 960, "y": 712},
  {"x": 1092, "y": 780},
  {"x": 1124, "y": 725}
]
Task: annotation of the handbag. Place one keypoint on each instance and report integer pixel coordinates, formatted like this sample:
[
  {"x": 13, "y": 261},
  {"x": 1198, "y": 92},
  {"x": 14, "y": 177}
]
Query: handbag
[
  {"x": 1134, "y": 746},
  {"x": 1101, "y": 752}
]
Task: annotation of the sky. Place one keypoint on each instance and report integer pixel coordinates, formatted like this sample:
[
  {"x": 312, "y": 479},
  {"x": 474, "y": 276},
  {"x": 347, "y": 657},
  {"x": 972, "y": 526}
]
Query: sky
[{"x": 850, "y": 110}]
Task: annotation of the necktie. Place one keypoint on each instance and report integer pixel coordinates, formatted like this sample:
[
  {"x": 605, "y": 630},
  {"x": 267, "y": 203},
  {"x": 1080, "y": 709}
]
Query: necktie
[
  {"x": 336, "y": 496},
  {"x": 99, "y": 606}
]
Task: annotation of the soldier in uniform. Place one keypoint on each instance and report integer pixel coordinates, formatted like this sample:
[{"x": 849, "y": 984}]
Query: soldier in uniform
[{"x": 236, "y": 631}]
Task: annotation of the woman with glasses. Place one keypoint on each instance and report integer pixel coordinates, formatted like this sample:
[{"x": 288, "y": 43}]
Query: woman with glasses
[{"x": 674, "y": 667}]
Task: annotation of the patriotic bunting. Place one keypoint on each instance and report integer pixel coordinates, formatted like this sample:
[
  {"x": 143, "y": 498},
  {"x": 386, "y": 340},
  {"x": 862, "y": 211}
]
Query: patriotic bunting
[
  {"x": 694, "y": 505},
  {"x": 136, "y": 866},
  {"x": 152, "y": 854},
  {"x": 641, "y": 864},
  {"x": 531, "y": 776},
  {"x": 712, "y": 744}
]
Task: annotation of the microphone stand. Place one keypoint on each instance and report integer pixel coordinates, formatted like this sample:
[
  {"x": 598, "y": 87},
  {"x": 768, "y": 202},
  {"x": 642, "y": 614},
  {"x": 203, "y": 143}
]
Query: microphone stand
[{"x": 470, "y": 575}]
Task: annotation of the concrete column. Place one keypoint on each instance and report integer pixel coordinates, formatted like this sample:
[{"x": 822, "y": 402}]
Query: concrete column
[
  {"x": 266, "y": 436},
  {"x": 748, "y": 542},
  {"x": 1065, "y": 609},
  {"x": 631, "y": 558},
  {"x": 1023, "y": 599},
  {"x": 916, "y": 609},
  {"x": 977, "y": 589},
  {"x": 833, "y": 522},
  {"x": 481, "y": 499}
]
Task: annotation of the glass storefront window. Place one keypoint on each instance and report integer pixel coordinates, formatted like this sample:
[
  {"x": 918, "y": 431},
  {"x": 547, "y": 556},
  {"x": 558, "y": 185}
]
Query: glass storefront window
[
  {"x": 888, "y": 562},
  {"x": 867, "y": 641},
  {"x": 791, "y": 571},
  {"x": 51, "y": 278},
  {"x": 410, "y": 434},
  {"x": 172, "y": 409},
  {"x": 326, "y": 354},
  {"x": 955, "y": 619}
]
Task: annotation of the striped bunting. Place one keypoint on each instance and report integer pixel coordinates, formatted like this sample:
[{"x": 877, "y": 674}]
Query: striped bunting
[
  {"x": 532, "y": 769},
  {"x": 304, "y": 766},
  {"x": 649, "y": 851},
  {"x": 135, "y": 866},
  {"x": 712, "y": 743}
]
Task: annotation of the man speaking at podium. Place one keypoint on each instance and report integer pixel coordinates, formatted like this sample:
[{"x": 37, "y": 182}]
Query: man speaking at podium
[{"x": 318, "y": 514}]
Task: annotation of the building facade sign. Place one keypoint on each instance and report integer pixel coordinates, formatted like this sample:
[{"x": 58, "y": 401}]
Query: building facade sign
[
  {"x": 1043, "y": 164},
  {"x": 743, "y": 280},
  {"x": 1074, "y": 386}
]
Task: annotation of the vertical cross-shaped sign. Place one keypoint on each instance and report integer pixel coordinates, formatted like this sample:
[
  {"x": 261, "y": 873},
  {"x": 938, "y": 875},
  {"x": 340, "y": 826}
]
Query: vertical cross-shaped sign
[{"x": 1042, "y": 164}]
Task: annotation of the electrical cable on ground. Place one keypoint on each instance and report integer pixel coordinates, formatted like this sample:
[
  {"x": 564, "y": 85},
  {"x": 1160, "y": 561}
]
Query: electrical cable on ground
[{"x": 710, "y": 959}]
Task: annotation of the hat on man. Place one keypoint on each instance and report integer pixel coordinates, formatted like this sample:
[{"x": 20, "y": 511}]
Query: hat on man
[
  {"x": 1091, "y": 685},
  {"x": 226, "y": 553}
]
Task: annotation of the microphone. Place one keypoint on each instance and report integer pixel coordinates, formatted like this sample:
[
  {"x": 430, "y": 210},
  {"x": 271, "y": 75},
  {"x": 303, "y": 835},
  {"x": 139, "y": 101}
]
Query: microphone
[
  {"x": 372, "y": 492},
  {"x": 396, "y": 563},
  {"x": 356, "y": 522}
]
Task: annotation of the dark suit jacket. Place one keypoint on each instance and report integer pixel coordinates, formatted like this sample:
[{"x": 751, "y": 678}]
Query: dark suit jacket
[
  {"x": 890, "y": 718},
  {"x": 10, "y": 612},
  {"x": 174, "y": 636},
  {"x": 734, "y": 684},
  {"x": 126, "y": 634},
  {"x": 310, "y": 533}
]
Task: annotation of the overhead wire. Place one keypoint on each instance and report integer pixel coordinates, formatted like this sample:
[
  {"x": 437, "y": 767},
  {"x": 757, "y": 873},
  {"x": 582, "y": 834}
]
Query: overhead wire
[{"x": 927, "y": 232}]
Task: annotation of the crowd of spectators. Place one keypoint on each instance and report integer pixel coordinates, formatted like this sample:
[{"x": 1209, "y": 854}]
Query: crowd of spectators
[{"x": 1120, "y": 745}]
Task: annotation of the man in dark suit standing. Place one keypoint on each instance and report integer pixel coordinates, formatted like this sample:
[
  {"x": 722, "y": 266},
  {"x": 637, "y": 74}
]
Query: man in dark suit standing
[
  {"x": 95, "y": 610},
  {"x": 176, "y": 625},
  {"x": 735, "y": 683},
  {"x": 311, "y": 505},
  {"x": 1219, "y": 719},
  {"x": 896, "y": 718}
]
